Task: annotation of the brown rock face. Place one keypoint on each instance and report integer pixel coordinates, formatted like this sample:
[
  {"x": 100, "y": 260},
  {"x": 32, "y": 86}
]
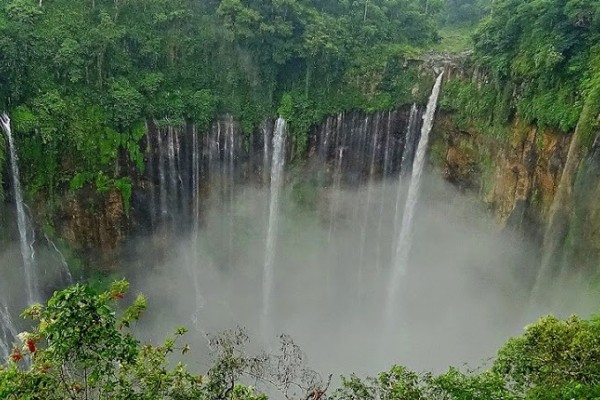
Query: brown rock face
[
  {"x": 528, "y": 171},
  {"x": 516, "y": 176},
  {"x": 95, "y": 225}
]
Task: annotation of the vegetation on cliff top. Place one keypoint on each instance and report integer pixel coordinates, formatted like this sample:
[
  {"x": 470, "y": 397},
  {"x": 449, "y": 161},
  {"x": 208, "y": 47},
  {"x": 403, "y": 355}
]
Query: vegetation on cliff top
[
  {"x": 80, "y": 78},
  {"x": 83, "y": 348},
  {"x": 537, "y": 60}
]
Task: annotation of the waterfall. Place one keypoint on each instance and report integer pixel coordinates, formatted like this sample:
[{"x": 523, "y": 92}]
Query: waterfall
[
  {"x": 172, "y": 205},
  {"x": 195, "y": 183},
  {"x": 382, "y": 195},
  {"x": 230, "y": 166},
  {"x": 365, "y": 223},
  {"x": 161, "y": 177},
  {"x": 8, "y": 332},
  {"x": 277, "y": 163},
  {"x": 266, "y": 131},
  {"x": 404, "y": 241},
  {"x": 61, "y": 258},
  {"x": 340, "y": 135},
  {"x": 195, "y": 256},
  {"x": 150, "y": 169},
  {"x": 411, "y": 137},
  {"x": 25, "y": 237}
]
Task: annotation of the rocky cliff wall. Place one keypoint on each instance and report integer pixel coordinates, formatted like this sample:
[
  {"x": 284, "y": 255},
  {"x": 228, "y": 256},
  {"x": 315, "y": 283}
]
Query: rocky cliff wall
[
  {"x": 516, "y": 175},
  {"x": 188, "y": 170}
]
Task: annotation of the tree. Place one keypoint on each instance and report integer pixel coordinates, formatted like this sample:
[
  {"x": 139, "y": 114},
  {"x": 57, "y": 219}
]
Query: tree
[
  {"x": 81, "y": 348},
  {"x": 553, "y": 359}
]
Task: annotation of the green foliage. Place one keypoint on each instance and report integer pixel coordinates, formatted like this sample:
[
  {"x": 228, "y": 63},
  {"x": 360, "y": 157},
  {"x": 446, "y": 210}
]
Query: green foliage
[
  {"x": 478, "y": 105},
  {"x": 126, "y": 102},
  {"x": 81, "y": 348},
  {"x": 464, "y": 12},
  {"x": 589, "y": 123},
  {"x": 377, "y": 81},
  {"x": 398, "y": 383},
  {"x": 553, "y": 359},
  {"x": 546, "y": 52},
  {"x": 80, "y": 79},
  {"x": 455, "y": 39},
  {"x": 125, "y": 187},
  {"x": 201, "y": 106}
]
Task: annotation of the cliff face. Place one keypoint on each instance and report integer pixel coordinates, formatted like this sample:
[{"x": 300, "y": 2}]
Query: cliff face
[
  {"x": 188, "y": 169},
  {"x": 95, "y": 226},
  {"x": 516, "y": 176},
  {"x": 583, "y": 243}
]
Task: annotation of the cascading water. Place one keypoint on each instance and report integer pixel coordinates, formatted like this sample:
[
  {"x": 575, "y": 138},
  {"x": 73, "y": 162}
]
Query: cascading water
[
  {"x": 173, "y": 187},
  {"x": 194, "y": 254},
  {"x": 195, "y": 183},
  {"x": 162, "y": 178},
  {"x": 365, "y": 223},
  {"x": 25, "y": 236},
  {"x": 340, "y": 135},
  {"x": 266, "y": 162},
  {"x": 382, "y": 204},
  {"x": 412, "y": 135},
  {"x": 61, "y": 258},
  {"x": 197, "y": 180},
  {"x": 8, "y": 332},
  {"x": 340, "y": 207},
  {"x": 150, "y": 167},
  {"x": 404, "y": 242},
  {"x": 277, "y": 164},
  {"x": 230, "y": 184}
]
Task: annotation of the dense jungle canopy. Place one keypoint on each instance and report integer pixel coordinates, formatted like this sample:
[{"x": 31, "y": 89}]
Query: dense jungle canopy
[{"x": 81, "y": 78}]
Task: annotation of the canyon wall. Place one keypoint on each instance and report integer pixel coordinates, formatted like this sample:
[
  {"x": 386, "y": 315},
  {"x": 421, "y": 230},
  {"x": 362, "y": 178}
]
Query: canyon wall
[{"x": 188, "y": 168}]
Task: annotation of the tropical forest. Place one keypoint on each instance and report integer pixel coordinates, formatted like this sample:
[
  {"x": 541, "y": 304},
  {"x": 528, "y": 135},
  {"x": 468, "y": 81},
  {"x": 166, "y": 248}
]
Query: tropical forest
[{"x": 300, "y": 199}]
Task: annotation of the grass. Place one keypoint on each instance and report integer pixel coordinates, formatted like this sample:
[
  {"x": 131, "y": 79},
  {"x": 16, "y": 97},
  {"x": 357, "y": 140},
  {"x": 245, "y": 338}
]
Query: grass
[{"x": 454, "y": 39}]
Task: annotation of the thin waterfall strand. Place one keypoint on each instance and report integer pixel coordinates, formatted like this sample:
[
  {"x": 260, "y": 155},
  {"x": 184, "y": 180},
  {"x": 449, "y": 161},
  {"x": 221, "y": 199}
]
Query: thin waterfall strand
[
  {"x": 26, "y": 244},
  {"x": 193, "y": 260},
  {"x": 405, "y": 237},
  {"x": 8, "y": 332},
  {"x": 365, "y": 223},
  {"x": 277, "y": 164},
  {"x": 161, "y": 177},
  {"x": 61, "y": 258},
  {"x": 411, "y": 138},
  {"x": 407, "y": 154}
]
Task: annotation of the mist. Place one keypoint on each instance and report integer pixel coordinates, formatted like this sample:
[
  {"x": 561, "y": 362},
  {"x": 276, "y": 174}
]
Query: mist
[{"x": 466, "y": 290}]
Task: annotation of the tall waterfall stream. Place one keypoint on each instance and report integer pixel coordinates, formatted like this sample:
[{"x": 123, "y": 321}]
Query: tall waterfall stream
[{"x": 26, "y": 237}]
